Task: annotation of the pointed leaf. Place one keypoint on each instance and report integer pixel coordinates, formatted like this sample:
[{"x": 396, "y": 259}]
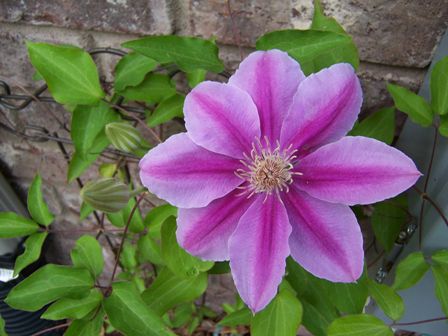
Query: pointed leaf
[
  {"x": 169, "y": 290},
  {"x": 131, "y": 70},
  {"x": 155, "y": 218},
  {"x": 322, "y": 22},
  {"x": 410, "y": 270},
  {"x": 313, "y": 49},
  {"x": 177, "y": 259},
  {"x": 70, "y": 72},
  {"x": 167, "y": 110},
  {"x": 129, "y": 314},
  {"x": 380, "y": 126},
  {"x": 48, "y": 284},
  {"x": 359, "y": 325},
  {"x": 281, "y": 317},
  {"x": 149, "y": 251},
  {"x": 440, "y": 257},
  {"x": 153, "y": 89},
  {"x": 87, "y": 326},
  {"x": 188, "y": 53},
  {"x": 33, "y": 247},
  {"x": 348, "y": 297},
  {"x": 195, "y": 77},
  {"x": 88, "y": 254},
  {"x": 387, "y": 299},
  {"x": 412, "y": 104},
  {"x": 13, "y": 225},
  {"x": 73, "y": 308},
  {"x": 439, "y": 87},
  {"x": 443, "y": 127},
  {"x": 36, "y": 204},
  {"x": 440, "y": 272},
  {"x": 87, "y": 123},
  {"x": 236, "y": 318}
]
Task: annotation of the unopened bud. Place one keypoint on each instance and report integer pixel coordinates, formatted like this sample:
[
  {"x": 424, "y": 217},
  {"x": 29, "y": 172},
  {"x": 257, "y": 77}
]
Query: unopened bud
[
  {"x": 106, "y": 194},
  {"x": 123, "y": 136}
]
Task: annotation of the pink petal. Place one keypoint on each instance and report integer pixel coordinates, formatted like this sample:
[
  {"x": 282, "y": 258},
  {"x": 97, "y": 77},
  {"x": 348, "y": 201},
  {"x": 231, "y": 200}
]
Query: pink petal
[
  {"x": 205, "y": 232},
  {"x": 324, "y": 109},
  {"x": 187, "y": 175},
  {"x": 271, "y": 78},
  {"x": 326, "y": 239},
  {"x": 221, "y": 118},
  {"x": 258, "y": 249},
  {"x": 356, "y": 170}
]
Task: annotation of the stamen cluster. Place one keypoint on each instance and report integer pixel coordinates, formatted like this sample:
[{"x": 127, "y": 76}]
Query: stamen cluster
[{"x": 267, "y": 170}]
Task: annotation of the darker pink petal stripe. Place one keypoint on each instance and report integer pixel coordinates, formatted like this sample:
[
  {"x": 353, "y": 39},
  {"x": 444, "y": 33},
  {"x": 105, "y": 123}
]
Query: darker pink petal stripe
[
  {"x": 326, "y": 239},
  {"x": 271, "y": 78},
  {"x": 187, "y": 175},
  {"x": 325, "y": 108},
  {"x": 356, "y": 170},
  {"x": 205, "y": 232},
  {"x": 258, "y": 249}
]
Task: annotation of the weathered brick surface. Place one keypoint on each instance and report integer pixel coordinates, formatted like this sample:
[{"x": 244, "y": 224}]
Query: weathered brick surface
[
  {"x": 124, "y": 16},
  {"x": 403, "y": 32}
]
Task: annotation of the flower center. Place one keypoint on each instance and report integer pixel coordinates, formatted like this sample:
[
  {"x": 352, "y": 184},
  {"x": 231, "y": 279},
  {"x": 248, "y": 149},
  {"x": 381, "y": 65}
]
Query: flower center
[{"x": 267, "y": 170}]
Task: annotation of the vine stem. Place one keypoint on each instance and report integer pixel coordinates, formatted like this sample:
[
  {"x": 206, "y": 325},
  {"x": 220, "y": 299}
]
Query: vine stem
[
  {"x": 125, "y": 232},
  {"x": 433, "y": 203},
  {"x": 419, "y": 322},
  {"x": 425, "y": 186},
  {"x": 60, "y": 326}
]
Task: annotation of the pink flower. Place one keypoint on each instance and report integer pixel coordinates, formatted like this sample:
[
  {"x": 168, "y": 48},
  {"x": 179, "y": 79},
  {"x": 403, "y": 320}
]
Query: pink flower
[{"x": 265, "y": 171}]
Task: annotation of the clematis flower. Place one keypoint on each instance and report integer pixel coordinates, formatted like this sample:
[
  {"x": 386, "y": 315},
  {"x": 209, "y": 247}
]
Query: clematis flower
[{"x": 264, "y": 171}]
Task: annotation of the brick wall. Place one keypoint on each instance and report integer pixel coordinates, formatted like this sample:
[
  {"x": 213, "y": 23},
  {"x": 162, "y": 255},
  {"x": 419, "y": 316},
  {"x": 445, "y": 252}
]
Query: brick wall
[{"x": 396, "y": 40}]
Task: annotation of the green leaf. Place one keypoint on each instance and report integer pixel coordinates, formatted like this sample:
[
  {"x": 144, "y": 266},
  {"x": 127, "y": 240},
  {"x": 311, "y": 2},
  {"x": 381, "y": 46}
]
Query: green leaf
[
  {"x": 167, "y": 110},
  {"x": 149, "y": 251},
  {"x": 380, "y": 125},
  {"x": 128, "y": 256},
  {"x": 48, "y": 284},
  {"x": 70, "y": 73},
  {"x": 348, "y": 297},
  {"x": 236, "y": 318},
  {"x": 439, "y": 87},
  {"x": 220, "y": 267},
  {"x": 195, "y": 77},
  {"x": 153, "y": 89},
  {"x": 412, "y": 104},
  {"x": 137, "y": 224},
  {"x": 440, "y": 272},
  {"x": 440, "y": 257},
  {"x": 73, "y": 308},
  {"x": 281, "y": 317},
  {"x": 188, "y": 53},
  {"x": 182, "y": 315},
  {"x": 87, "y": 123},
  {"x": 2, "y": 327},
  {"x": 129, "y": 314},
  {"x": 88, "y": 254},
  {"x": 155, "y": 218},
  {"x": 387, "y": 299},
  {"x": 131, "y": 70},
  {"x": 443, "y": 127},
  {"x": 36, "y": 204},
  {"x": 410, "y": 270},
  {"x": 313, "y": 49},
  {"x": 322, "y": 22},
  {"x": 316, "y": 320},
  {"x": 123, "y": 136},
  {"x": 169, "y": 290},
  {"x": 388, "y": 219},
  {"x": 359, "y": 325},
  {"x": 85, "y": 211},
  {"x": 12, "y": 225},
  {"x": 178, "y": 260},
  {"x": 79, "y": 163},
  {"x": 87, "y": 326},
  {"x": 33, "y": 248}
]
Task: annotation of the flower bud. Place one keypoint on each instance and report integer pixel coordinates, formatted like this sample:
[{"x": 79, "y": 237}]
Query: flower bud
[
  {"x": 123, "y": 136},
  {"x": 106, "y": 194}
]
